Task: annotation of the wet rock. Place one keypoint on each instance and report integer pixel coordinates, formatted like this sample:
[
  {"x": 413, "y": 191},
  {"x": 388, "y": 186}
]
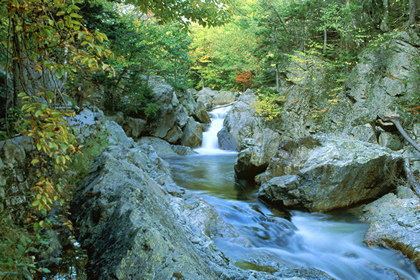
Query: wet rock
[
  {"x": 395, "y": 223},
  {"x": 183, "y": 150},
  {"x": 255, "y": 154},
  {"x": 321, "y": 173}
]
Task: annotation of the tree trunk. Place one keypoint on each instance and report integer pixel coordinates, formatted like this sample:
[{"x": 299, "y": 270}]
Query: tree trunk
[
  {"x": 324, "y": 51},
  {"x": 411, "y": 23},
  {"x": 384, "y": 23}
]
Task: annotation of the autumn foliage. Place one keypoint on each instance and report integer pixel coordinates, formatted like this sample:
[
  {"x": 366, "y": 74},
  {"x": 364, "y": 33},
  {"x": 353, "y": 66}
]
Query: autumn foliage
[{"x": 244, "y": 79}]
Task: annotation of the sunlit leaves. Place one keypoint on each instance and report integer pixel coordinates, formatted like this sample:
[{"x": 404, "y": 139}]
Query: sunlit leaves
[
  {"x": 54, "y": 143},
  {"x": 205, "y": 13}
]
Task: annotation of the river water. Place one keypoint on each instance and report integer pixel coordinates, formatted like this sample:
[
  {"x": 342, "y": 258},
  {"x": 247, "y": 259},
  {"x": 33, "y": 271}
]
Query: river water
[{"x": 329, "y": 242}]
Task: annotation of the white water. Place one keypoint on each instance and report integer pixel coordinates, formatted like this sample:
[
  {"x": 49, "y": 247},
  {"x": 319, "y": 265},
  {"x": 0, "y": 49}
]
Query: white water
[
  {"x": 210, "y": 145},
  {"x": 331, "y": 243}
]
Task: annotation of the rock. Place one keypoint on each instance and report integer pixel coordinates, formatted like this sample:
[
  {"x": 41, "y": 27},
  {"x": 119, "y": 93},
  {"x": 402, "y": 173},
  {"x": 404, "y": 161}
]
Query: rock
[
  {"x": 391, "y": 140},
  {"x": 87, "y": 122},
  {"x": 117, "y": 135},
  {"x": 378, "y": 86},
  {"x": 164, "y": 123},
  {"x": 161, "y": 147},
  {"x": 224, "y": 97},
  {"x": 125, "y": 225},
  {"x": 255, "y": 154},
  {"x": 321, "y": 173},
  {"x": 200, "y": 114},
  {"x": 134, "y": 127},
  {"x": 395, "y": 223},
  {"x": 241, "y": 122},
  {"x": 174, "y": 134},
  {"x": 206, "y": 97},
  {"x": 192, "y": 134},
  {"x": 183, "y": 150}
]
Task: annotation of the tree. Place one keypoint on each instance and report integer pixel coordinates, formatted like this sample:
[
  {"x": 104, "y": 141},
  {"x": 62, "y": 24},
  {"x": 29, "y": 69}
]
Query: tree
[
  {"x": 205, "y": 13},
  {"x": 220, "y": 52}
]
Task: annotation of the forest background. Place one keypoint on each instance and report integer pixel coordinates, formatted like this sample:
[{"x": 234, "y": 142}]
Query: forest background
[{"x": 103, "y": 53}]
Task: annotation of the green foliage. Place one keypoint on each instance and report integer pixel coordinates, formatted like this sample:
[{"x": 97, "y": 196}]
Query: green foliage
[
  {"x": 205, "y": 13},
  {"x": 219, "y": 52},
  {"x": 92, "y": 147},
  {"x": 18, "y": 248},
  {"x": 269, "y": 103},
  {"x": 54, "y": 143}
]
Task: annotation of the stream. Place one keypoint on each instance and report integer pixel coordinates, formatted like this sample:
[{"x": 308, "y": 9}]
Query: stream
[{"x": 329, "y": 242}]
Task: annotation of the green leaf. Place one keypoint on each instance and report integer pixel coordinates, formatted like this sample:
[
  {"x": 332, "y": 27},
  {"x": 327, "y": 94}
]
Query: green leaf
[
  {"x": 35, "y": 203},
  {"x": 21, "y": 248}
]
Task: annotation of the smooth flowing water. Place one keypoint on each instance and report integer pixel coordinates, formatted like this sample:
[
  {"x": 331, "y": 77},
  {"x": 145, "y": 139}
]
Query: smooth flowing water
[{"x": 331, "y": 243}]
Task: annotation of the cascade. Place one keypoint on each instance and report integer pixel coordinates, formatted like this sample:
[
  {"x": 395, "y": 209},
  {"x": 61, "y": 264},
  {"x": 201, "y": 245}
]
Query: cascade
[{"x": 210, "y": 144}]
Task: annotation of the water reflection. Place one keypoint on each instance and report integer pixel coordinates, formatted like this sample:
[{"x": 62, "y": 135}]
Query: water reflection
[{"x": 211, "y": 174}]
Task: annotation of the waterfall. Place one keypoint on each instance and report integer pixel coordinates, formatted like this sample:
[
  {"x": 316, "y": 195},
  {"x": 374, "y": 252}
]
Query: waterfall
[{"x": 210, "y": 144}]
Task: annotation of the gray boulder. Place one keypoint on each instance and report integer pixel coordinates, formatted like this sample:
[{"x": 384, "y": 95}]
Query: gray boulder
[
  {"x": 206, "y": 96},
  {"x": 241, "y": 122},
  {"x": 255, "y": 154},
  {"x": 395, "y": 223},
  {"x": 224, "y": 97},
  {"x": 321, "y": 173},
  {"x": 161, "y": 147},
  {"x": 192, "y": 136},
  {"x": 200, "y": 114},
  {"x": 134, "y": 127},
  {"x": 124, "y": 221}
]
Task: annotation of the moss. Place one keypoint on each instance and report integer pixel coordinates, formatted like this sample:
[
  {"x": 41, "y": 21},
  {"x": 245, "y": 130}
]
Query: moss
[{"x": 252, "y": 266}]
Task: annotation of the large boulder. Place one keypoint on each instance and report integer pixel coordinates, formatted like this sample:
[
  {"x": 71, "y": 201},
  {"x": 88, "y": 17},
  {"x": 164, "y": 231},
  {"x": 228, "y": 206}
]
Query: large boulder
[
  {"x": 193, "y": 134},
  {"x": 395, "y": 223},
  {"x": 161, "y": 147},
  {"x": 241, "y": 122},
  {"x": 224, "y": 97},
  {"x": 206, "y": 96},
  {"x": 321, "y": 173},
  {"x": 255, "y": 154},
  {"x": 200, "y": 114},
  {"x": 124, "y": 222}
]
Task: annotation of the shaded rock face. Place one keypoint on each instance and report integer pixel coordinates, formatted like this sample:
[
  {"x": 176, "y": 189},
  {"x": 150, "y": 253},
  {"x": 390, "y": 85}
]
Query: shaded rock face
[
  {"x": 255, "y": 154},
  {"x": 395, "y": 223},
  {"x": 321, "y": 173},
  {"x": 124, "y": 222}
]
